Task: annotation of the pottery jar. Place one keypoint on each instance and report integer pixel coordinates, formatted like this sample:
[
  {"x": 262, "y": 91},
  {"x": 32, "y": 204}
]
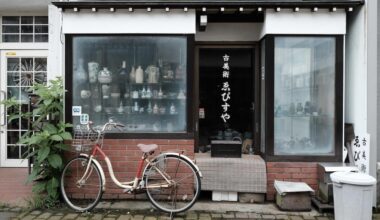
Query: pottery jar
[
  {"x": 132, "y": 75},
  {"x": 105, "y": 76},
  {"x": 93, "y": 69},
  {"x": 139, "y": 75}
]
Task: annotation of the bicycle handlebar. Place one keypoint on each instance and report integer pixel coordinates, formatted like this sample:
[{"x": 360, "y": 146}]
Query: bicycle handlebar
[{"x": 105, "y": 126}]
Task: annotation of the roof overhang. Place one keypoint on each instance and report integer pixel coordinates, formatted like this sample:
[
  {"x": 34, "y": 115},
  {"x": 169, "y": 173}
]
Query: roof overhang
[{"x": 211, "y": 4}]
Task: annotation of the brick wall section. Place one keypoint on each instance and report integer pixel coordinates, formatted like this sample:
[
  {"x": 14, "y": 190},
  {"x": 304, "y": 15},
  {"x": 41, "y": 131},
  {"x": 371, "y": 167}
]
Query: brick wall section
[
  {"x": 13, "y": 189},
  {"x": 290, "y": 171},
  {"x": 125, "y": 156}
]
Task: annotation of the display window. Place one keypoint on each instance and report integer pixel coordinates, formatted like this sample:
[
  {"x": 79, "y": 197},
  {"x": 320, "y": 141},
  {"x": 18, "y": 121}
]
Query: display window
[
  {"x": 139, "y": 81},
  {"x": 302, "y": 83}
]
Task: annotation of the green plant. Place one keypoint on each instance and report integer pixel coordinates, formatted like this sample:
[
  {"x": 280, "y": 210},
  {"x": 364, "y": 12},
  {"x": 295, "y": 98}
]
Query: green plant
[{"x": 45, "y": 139}]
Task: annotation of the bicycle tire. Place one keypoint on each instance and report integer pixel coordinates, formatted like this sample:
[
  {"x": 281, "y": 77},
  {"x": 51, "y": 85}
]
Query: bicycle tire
[
  {"x": 69, "y": 199},
  {"x": 148, "y": 174}
]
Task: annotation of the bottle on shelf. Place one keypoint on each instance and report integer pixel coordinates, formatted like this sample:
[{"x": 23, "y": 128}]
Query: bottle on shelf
[
  {"x": 155, "y": 109},
  {"x": 136, "y": 107},
  {"x": 149, "y": 110},
  {"x": 80, "y": 73},
  {"x": 123, "y": 78},
  {"x": 132, "y": 75},
  {"x": 139, "y": 75},
  {"x": 172, "y": 109}
]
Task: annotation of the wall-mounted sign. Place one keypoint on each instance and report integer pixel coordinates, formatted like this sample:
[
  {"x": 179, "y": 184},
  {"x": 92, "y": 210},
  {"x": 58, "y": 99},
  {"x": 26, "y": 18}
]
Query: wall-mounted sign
[
  {"x": 226, "y": 90},
  {"x": 76, "y": 110},
  {"x": 360, "y": 152},
  {"x": 10, "y": 53}
]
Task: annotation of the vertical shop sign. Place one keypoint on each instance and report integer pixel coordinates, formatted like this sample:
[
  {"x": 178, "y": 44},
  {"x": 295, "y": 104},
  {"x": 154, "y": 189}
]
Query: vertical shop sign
[
  {"x": 360, "y": 151},
  {"x": 226, "y": 91}
]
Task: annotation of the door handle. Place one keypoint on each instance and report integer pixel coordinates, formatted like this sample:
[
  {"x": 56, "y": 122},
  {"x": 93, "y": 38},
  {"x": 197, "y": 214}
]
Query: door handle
[{"x": 4, "y": 122}]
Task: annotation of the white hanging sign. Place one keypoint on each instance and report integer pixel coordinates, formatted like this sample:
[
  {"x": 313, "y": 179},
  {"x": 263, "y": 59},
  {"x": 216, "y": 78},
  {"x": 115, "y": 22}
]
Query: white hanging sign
[{"x": 360, "y": 151}]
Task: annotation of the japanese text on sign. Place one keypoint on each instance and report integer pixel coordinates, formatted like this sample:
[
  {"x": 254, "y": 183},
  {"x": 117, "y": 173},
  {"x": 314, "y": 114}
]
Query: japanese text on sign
[
  {"x": 226, "y": 91},
  {"x": 360, "y": 151}
]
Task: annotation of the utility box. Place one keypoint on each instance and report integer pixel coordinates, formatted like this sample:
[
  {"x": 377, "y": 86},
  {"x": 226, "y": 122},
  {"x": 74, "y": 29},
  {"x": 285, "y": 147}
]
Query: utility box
[
  {"x": 325, "y": 186},
  {"x": 293, "y": 196}
]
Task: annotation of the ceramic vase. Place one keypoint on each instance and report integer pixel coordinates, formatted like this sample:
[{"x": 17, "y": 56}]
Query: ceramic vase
[
  {"x": 105, "y": 76},
  {"x": 139, "y": 75},
  {"x": 132, "y": 75},
  {"x": 93, "y": 70}
]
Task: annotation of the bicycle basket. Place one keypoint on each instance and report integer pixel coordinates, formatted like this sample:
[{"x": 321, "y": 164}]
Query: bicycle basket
[{"x": 84, "y": 139}]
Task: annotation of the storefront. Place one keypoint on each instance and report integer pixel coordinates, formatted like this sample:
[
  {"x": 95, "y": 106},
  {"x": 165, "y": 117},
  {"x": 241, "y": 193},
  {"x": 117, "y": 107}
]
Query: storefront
[
  {"x": 182, "y": 76},
  {"x": 268, "y": 75}
]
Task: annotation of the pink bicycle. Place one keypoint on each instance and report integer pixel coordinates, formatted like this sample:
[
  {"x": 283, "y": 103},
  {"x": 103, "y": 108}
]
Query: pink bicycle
[{"x": 171, "y": 180}]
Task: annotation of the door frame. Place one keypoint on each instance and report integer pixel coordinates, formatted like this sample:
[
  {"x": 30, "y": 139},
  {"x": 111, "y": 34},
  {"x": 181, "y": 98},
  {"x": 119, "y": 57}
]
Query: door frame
[
  {"x": 234, "y": 44},
  {"x": 4, "y": 55}
]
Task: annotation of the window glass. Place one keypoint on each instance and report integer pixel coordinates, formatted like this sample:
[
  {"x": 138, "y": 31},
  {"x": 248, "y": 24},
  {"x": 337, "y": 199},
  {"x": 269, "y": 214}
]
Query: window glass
[
  {"x": 26, "y": 29},
  {"x": 304, "y": 98},
  {"x": 139, "y": 81}
]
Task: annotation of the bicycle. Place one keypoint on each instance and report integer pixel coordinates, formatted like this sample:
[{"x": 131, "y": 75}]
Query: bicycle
[{"x": 171, "y": 181}]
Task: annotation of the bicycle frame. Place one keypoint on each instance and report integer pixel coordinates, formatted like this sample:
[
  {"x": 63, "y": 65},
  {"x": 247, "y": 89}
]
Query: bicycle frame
[{"x": 131, "y": 185}]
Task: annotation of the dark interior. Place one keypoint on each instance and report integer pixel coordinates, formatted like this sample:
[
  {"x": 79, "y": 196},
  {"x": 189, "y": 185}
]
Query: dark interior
[{"x": 241, "y": 87}]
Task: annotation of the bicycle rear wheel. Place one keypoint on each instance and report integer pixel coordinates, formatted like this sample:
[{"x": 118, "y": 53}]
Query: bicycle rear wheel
[
  {"x": 81, "y": 195},
  {"x": 184, "y": 191}
]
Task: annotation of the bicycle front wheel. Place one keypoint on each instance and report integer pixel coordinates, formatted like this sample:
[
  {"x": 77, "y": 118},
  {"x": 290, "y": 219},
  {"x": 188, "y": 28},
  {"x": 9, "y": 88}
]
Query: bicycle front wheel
[
  {"x": 185, "y": 185},
  {"x": 81, "y": 192}
]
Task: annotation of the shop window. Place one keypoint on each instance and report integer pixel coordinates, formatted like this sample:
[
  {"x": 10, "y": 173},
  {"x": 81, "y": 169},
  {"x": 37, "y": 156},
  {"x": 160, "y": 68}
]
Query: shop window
[
  {"x": 139, "y": 81},
  {"x": 302, "y": 98},
  {"x": 25, "y": 29},
  {"x": 304, "y": 95}
]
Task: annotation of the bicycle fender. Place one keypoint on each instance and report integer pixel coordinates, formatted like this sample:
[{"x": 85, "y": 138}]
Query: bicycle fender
[
  {"x": 183, "y": 157},
  {"x": 96, "y": 162}
]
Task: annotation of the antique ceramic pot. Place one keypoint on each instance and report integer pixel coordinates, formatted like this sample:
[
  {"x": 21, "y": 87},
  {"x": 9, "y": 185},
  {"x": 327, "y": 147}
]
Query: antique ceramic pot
[
  {"x": 152, "y": 73},
  {"x": 132, "y": 75},
  {"x": 80, "y": 73},
  {"x": 139, "y": 75},
  {"x": 105, "y": 76},
  {"x": 93, "y": 69}
]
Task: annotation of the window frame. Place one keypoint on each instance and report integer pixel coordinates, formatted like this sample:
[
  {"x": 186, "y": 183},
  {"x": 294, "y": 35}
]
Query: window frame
[
  {"x": 189, "y": 132},
  {"x": 20, "y": 34},
  {"x": 269, "y": 103}
]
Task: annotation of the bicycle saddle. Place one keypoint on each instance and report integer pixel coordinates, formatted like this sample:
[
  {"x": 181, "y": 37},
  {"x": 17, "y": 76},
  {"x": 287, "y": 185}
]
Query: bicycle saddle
[{"x": 147, "y": 148}]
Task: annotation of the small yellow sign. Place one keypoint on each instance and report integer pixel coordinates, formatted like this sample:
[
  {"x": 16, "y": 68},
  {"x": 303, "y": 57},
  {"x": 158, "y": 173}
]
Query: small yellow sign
[{"x": 10, "y": 53}]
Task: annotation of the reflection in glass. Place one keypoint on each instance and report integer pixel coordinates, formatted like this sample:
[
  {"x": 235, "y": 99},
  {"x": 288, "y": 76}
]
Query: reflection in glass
[
  {"x": 27, "y": 20},
  {"x": 41, "y": 29},
  {"x": 27, "y": 38},
  {"x": 41, "y": 19},
  {"x": 11, "y": 29},
  {"x": 41, "y": 38},
  {"x": 13, "y": 64},
  {"x": 11, "y": 38},
  {"x": 26, "y": 28},
  {"x": 304, "y": 95},
  {"x": 13, "y": 137},
  {"x": 138, "y": 81},
  {"x": 13, "y": 152},
  {"x": 11, "y": 19}
]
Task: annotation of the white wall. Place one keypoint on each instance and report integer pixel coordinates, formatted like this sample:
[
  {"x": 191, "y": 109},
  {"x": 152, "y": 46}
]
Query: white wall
[
  {"x": 361, "y": 76},
  {"x": 122, "y": 21},
  {"x": 304, "y": 22},
  {"x": 230, "y": 32}
]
